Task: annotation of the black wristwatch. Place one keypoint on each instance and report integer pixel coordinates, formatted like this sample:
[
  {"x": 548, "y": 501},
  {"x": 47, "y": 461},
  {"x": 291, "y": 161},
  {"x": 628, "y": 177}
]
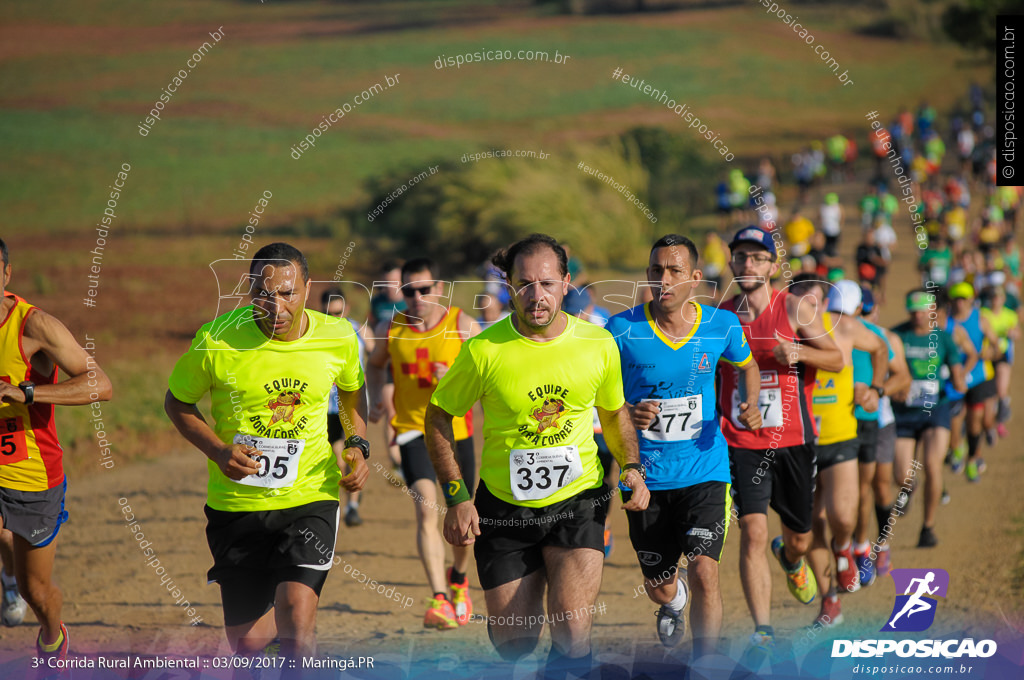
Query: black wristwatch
[
  {"x": 360, "y": 443},
  {"x": 639, "y": 467},
  {"x": 880, "y": 390},
  {"x": 29, "y": 390}
]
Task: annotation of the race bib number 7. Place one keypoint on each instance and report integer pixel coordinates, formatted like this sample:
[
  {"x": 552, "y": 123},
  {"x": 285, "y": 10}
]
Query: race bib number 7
[
  {"x": 679, "y": 419},
  {"x": 278, "y": 460},
  {"x": 12, "y": 441},
  {"x": 538, "y": 473},
  {"x": 768, "y": 400}
]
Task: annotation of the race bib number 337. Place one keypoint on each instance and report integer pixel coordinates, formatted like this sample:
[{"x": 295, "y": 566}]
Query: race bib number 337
[
  {"x": 538, "y": 473},
  {"x": 278, "y": 460}
]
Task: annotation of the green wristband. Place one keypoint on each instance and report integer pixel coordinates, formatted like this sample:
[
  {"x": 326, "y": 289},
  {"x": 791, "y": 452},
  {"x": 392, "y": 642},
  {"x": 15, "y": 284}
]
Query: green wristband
[{"x": 455, "y": 492}]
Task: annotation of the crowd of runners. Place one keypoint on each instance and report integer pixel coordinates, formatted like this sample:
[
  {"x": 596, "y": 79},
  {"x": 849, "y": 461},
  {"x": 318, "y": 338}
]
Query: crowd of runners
[{"x": 753, "y": 375}]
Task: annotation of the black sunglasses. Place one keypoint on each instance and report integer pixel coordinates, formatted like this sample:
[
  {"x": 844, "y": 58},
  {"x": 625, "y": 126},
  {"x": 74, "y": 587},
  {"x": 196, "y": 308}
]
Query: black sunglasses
[{"x": 409, "y": 291}]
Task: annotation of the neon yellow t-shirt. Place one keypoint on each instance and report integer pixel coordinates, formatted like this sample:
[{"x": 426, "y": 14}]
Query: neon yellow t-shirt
[
  {"x": 537, "y": 399},
  {"x": 271, "y": 390}
]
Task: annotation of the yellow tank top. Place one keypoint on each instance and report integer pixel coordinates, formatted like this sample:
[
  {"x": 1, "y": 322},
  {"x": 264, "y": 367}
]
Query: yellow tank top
[
  {"x": 414, "y": 355},
  {"x": 832, "y": 401},
  {"x": 30, "y": 455}
]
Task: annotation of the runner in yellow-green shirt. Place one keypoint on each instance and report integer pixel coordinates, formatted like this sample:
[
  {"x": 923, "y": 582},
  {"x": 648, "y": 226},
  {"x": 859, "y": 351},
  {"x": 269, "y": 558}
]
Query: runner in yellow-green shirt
[
  {"x": 538, "y": 519},
  {"x": 272, "y": 496}
]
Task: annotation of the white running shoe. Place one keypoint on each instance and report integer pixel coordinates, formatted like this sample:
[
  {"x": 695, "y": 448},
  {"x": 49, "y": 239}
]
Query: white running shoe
[{"x": 14, "y": 605}]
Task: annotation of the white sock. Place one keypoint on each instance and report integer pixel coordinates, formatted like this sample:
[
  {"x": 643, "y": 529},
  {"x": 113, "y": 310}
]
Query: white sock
[
  {"x": 679, "y": 601},
  {"x": 861, "y": 547}
]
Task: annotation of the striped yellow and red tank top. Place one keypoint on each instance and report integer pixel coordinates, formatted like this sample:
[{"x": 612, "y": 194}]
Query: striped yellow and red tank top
[{"x": 30, "y": 455}]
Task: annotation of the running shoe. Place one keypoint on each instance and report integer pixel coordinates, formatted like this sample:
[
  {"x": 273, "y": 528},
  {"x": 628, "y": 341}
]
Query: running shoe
[
  {"x": 609, "y": 542},
  {"x": 945, "y": 498},
  {"x": 865, "y": 567},
  {"x": 801, "y": 582},
  {"x": 928, "y": 539},
  {"x": 972, "y": 472},
  {"x": 440, "y": 614},
  {"x": 981, "y": 466},
  {"x": 990, "y": 436},
  {"x": 352, "y": 518},
  {"x": 461, "y": 601},
  {"x": 956, "y": 461},
  {"x": 846, "y": 570},
  {"x": 671, "y": 626},
  {"x": 831, "y": 614},
  {"x": 1001, "y": 430},
  {"x": 52, "y": 660},
  {"x": 883, "y": 563},
  {"x": 14, "y": 605}
]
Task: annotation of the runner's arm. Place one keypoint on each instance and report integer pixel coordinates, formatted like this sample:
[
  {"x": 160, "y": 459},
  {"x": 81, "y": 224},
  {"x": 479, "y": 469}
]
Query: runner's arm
[
  {"x": 235, "y": 461},
  {"x": 467, "y": 325},
  {"x": 818, "y": 348},
  {"x": 898, "y": 383},
  {"x": 963, "y": 342},
  {"x": 87, "y": 382},
  {"x": 461, "y": 523},
  {"x": 989, "y": 350},
  {"x": 750, "y": 412},
  {"x": 352, "y": 411},
  {"x": 620, "y": 436},
  {"x": 376, "y": 376}
]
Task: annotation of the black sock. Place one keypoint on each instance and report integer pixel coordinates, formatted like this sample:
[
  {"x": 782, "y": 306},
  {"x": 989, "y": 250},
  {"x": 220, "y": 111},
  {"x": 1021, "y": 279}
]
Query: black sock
[
  {"x": 457, "y": 577},
  {"x": 559, "y": 666},
  {"x": 882, "y": 514},
  {"x": 973, "y": 442}
]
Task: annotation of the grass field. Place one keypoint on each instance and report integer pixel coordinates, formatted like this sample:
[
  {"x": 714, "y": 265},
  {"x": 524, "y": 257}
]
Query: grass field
[{"x": 75, "y": 87}]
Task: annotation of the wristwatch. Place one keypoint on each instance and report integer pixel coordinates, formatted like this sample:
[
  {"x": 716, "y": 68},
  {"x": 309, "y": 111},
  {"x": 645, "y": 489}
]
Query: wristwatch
[
  {"x": 639, "y": 467},
  {"x": 880, "y": 390},
  {"x": 29, "y": 390},
  {"x": 360, "y": 443}
]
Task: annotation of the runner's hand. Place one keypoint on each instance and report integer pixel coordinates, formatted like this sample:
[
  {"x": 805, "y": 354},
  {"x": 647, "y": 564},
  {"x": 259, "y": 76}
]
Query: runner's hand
[
  {"x": 786, "y": 353},
  {"x": 377, "y": 412},
  {"x": 462, "y": 524},
  {"x": 644, "y": 413},
  {"x": 11, "y": 393},
  {"x": 237, "y": 461},
  {"x": 356, "y": 479},
  {"x": 641, "y": 496},
  {"x": 750, "y": 416},
  {"x": 866, "y": 398}
]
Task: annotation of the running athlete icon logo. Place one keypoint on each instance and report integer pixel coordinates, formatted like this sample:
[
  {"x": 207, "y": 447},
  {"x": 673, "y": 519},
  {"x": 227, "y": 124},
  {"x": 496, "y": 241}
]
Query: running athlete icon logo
[
  {"x": 914, "y": 610},
  {"x": 548, "y": 414},
  {"x": 283, "y": 406}
]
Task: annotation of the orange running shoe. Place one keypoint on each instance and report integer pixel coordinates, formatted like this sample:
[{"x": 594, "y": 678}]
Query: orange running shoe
[
  {"x": 440, "y": 614},
  {"x": 461, "y": 601}
]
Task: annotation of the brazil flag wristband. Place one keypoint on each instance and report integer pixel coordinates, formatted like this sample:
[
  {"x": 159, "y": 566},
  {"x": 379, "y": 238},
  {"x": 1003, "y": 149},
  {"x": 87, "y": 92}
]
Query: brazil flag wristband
[{"x": 455, "y": 492}]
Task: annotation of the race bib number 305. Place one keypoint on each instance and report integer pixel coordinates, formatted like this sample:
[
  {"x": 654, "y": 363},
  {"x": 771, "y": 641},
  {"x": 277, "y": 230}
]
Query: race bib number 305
[
  {"x": 278, "y": 460},
  {"x": 538, "y": 473},
  {"x": 678, "y": 420}
]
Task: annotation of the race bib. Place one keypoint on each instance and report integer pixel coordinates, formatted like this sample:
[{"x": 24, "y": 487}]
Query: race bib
[
  {"x": 679, "y": 419},
  {"x": 278, "y": 460},
  {"x": 535, "y": 474},
  {"x": 768, "y": 400},
  {"x": 922, "y": 391},
  {"x": 13, "y": 448}
]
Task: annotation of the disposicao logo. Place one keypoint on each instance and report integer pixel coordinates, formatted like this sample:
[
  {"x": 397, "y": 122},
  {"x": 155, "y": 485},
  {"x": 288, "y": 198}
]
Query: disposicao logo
[{"x": 914, "y": 611}]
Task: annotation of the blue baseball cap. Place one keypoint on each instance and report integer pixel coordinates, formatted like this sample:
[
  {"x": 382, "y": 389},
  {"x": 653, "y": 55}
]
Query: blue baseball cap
[{"x": 752, "y": 234}]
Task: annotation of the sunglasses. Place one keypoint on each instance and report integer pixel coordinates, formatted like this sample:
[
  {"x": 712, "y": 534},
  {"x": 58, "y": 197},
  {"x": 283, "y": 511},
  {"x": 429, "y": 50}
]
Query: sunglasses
[{"x": 409, "y": 291}]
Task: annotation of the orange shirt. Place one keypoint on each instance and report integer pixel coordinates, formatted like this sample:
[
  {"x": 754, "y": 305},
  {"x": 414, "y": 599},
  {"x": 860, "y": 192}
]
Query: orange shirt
[{"x": 414, "y": 355}]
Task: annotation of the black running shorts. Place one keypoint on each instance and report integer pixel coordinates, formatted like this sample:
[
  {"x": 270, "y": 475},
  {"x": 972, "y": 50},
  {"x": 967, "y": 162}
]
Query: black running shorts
[
  {"x": 693, "y": 520},
  {"x": 781, "y": 478},
  {"x": 512, "y": 537},
  {"x": 253, "y": 552}
]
